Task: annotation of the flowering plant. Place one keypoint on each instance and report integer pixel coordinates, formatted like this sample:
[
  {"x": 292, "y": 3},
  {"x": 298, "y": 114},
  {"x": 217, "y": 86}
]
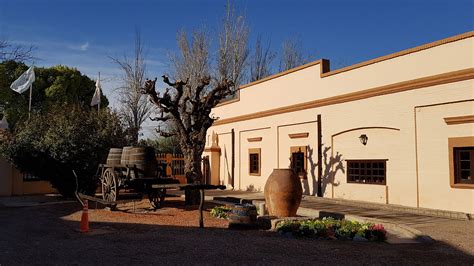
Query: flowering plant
[
  {"x": 377, "y": 233},
  {"x": 331, "y": 228}
]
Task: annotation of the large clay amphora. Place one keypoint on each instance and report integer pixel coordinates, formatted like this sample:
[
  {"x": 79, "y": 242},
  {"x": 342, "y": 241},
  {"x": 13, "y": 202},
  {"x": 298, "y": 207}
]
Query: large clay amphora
[{"x": 283, "y": 193}]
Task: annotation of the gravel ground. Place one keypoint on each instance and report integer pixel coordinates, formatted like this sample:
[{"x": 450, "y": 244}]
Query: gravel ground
[{"x": 48, "y": 235}]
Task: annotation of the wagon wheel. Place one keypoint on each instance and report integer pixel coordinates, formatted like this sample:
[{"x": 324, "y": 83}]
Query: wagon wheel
[
  {"x": 109, "y": 186},
  {"x": 157, "y": 197}
]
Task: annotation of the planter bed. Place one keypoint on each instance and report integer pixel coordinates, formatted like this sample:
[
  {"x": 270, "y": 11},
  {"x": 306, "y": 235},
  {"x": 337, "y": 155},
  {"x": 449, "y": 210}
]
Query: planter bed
[{"x": 330, "y": 228}]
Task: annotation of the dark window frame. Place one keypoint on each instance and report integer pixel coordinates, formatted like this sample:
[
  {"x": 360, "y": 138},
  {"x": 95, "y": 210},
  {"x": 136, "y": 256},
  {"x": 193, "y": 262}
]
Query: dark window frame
[
  {"x": 458, "y": 168},
  {"x": 255, "y": 167},
  {"x": 303, "y": 174},
  {"x": 363, "y": 171}
]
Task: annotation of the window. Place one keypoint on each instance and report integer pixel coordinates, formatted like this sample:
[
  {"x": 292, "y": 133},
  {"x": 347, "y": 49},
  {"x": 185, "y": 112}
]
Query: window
[
  {"x": 461, "y": 157},
  {"x": 366, "y": 171},
  {"x": 463, "y": 165},
  {"x": 299, "y": 161},
  {"x": 254, "y": 162}
]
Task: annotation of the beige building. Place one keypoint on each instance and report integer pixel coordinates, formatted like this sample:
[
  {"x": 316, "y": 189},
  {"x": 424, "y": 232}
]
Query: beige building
[
  {"x": 397, "y": 129},
  {"x": 13, "y": 182}
]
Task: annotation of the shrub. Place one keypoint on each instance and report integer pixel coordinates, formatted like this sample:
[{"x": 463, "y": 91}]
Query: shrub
[
  {"x": 221, "y": 211},
  {"x": 288, "y": 227},
  {"x": 376, "y": 233},
  {"x": 50, "y": 145},
  {"x": 332, "y": 228}
]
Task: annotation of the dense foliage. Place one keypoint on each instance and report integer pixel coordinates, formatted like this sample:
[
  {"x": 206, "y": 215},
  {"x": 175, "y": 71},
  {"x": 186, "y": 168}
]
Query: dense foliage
[
  {"x": 334, "y": 229},
  {"x": 63, "y": 133},
  {"x": 50, "y": 145},
  {"x": 162, "y": 145},
  {"x": 58, "y": 85},
  {"x": 221, "y": 211}
]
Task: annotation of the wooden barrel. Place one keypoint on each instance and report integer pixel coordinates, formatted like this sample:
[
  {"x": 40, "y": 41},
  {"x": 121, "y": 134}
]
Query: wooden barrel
[
  {"x": 243, "y": 216},
  {"x": 144, "y": 159},
  {"x": 114, "y": 156},
  {"x": 124, "y": 160}
]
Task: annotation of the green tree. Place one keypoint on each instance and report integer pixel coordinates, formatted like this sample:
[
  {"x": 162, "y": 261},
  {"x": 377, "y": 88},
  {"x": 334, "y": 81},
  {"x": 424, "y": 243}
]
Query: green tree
[
  {"x": 162, "y": 145},
  {"x": 54, "y": 85},
  {"x": 52, "y": 144}
]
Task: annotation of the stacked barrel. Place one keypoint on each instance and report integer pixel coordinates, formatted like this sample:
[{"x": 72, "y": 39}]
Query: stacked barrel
[
  {"x": 114, "y": 156},
  {"x": 143, "y": 158}
]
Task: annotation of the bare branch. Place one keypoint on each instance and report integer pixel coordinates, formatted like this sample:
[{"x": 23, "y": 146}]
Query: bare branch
[
  {"x": 261, "y": 61},
  {"x": 233, "y": 47},
  {"x": 135, "y": 107},
  {"x": 19, "y": 53},
  {"x": 292, "y": 55},
  {"x": 164, "y": 133}
]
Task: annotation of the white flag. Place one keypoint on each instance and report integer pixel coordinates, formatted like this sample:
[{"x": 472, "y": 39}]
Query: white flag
[
  {"x": 96, "y": 97},
  {"x": 24, "y": 82}
]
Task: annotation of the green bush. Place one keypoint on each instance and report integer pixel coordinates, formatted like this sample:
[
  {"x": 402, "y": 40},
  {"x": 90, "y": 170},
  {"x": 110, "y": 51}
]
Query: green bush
[
  {"x": 221, "y": 211},
  {"x": 332, "y": 228},
  {"x": 52, "y": 144}
]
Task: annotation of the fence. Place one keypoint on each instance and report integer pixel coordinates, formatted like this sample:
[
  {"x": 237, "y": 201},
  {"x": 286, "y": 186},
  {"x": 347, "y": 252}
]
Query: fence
[{"x": 174, "y": 165}]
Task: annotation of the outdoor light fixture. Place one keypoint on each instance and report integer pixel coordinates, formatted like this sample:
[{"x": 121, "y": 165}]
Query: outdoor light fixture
[{"x": 363, "y": 139}]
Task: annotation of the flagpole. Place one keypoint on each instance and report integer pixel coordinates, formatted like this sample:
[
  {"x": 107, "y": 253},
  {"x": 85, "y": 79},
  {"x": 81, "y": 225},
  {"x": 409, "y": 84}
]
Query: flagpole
[
  {"x": 98, "y": 106},
  {"x": 29, "y": 106}
]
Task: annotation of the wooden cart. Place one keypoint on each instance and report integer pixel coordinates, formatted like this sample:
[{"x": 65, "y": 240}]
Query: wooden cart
[{"x": 115, "y": 177}]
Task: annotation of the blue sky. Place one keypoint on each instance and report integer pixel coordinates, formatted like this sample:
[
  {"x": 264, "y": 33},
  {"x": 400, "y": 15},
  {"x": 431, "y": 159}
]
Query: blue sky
[{"x": 84, "y": 33}]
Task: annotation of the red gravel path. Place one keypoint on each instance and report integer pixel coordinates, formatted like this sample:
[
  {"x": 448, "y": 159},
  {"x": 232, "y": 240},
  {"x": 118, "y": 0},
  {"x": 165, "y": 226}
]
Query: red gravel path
[{"x": 48, "y": 235}]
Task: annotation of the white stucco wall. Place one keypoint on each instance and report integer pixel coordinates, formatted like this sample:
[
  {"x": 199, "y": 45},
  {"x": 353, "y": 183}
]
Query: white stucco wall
[
  {"x": 375, "y": 114},
  {"x": 432, "y": 140}
]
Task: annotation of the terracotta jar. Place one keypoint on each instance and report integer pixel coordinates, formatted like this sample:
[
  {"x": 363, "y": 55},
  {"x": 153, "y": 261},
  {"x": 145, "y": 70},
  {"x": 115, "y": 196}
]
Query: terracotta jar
[{"x": 283, "y": 193}]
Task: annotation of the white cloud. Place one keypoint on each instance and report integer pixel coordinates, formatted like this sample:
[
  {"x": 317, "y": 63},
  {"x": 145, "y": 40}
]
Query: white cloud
[{"x": 84, "y": 47}]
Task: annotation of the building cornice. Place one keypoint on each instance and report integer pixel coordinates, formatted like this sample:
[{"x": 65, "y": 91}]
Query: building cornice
[
  {"x": 325, "y": 64},
  {"x": 419, "y": 83}
]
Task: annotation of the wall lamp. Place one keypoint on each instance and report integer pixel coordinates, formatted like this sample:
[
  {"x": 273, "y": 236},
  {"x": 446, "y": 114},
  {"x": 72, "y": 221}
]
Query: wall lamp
[{"x": 363, "y": 139}]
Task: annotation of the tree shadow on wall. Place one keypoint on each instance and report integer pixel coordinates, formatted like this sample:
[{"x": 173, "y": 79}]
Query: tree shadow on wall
[
  {"x": 331, "y": 165},
  {"x": 226, "y": 160}
]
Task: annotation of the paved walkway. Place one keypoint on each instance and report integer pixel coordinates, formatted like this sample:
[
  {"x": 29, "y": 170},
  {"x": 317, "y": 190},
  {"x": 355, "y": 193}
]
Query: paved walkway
[
  {"x": 457, "y": 233},
  {"x": 370, "y": 210}
]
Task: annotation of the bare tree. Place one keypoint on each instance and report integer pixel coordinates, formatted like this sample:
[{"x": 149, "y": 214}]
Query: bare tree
[
  {"x": 190, "y": 117},
  {"x": 185, "y": 107},
  {"x": 233, "y": 47},
  {"x": 19, "y": 53},
  {"x": 292, "y": 55},
  {"x": 135, "y": 108},
  {"x": 192, "y": 61},
  {"x": 260, "y": 63}
]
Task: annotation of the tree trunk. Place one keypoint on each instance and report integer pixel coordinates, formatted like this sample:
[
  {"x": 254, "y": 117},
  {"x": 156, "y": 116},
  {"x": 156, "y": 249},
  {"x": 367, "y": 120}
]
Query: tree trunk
[{"x": 192, "y": 170}]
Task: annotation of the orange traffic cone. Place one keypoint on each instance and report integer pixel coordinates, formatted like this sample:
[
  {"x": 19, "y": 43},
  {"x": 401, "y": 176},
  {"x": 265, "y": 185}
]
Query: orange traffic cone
[{"x": 85, "y": 218}]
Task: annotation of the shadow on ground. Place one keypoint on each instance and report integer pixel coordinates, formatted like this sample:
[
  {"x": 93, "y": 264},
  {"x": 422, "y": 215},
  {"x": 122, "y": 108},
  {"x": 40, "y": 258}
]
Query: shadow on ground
[{"x": 35, "y": 235}]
